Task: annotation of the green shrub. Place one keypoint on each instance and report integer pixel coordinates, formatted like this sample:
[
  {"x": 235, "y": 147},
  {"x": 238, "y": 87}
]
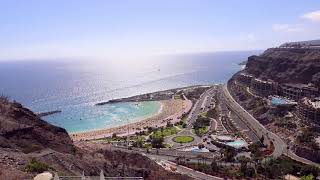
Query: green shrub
[
  {"x": 157, "y": 142},
  {"x": 184, "y": 125},
  {"x": 36, "y": 166}
]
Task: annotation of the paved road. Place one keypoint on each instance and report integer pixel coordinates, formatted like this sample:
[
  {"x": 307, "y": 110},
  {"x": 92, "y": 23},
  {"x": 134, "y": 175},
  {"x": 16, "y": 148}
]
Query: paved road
[
  {"x": 170, "y": 154},
  {"x": 180, "y": 169},
  {"x": 237, "y": 120},
  {"x": 254, "y": 124},
  {"x": 203, "y": 101},
  {"x": 184, "y": 132},
  {"x": 191, "y": 172},
  {"x": 201, "y": 105},
  {"x": 259, "y": 129}
]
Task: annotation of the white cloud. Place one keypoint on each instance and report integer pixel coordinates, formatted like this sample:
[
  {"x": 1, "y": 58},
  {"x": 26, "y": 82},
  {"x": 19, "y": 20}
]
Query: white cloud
[
  {"x": 312, "y": 16},
  {"x": 287, "y": 28}
]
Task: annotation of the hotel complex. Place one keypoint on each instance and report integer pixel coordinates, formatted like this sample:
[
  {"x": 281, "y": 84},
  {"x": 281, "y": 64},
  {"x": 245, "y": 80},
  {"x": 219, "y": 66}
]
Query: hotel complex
[
  {"x": 263, "y": 88},
  {"x": 306, "y": 95},
  {"x": 298, "y": 91},
  {"x": 309, "y": 109}
]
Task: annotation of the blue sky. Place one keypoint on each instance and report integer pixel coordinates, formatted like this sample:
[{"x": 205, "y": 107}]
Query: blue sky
[{"x": 124, "y": 28}]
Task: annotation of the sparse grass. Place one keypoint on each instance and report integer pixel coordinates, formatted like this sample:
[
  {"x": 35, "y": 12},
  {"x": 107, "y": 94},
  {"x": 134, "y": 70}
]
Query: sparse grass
[
  {"x": 168, "y": 131},
  {"x": 204, "y": 114},
  {"x": 167, "y": 146},
  {"x": 36, "y": 166},
  {"x": 177, "y": 97},
  {"x": 183, "y": 139},
  {"x": 147, "y": 145},
  {"x": 201, "y": 131}
]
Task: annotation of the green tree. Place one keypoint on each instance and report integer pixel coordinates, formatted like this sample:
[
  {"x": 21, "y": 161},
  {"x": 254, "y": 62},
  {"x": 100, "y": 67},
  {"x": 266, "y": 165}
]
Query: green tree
[
  {"x": 114, "y": 136},
  {"x": 138, "y": 143},
  {"x": 184, "y": 125},
  {"x": 157, "y": 142},
  {"x": 309, "y": 169},
  {"x": 169, "y": 124},
  {"x": 245, "y": 168},
  {"x": 262, "y": 139},
  {"x": 309, "y": 177},
  {"x": 272, "y": 169},
  {"x": 214, "y": 166},
  {"x": 229, "y": 154}
]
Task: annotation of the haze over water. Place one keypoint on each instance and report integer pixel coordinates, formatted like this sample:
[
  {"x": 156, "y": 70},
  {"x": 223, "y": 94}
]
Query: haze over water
[{"x": 75, "y": 86}]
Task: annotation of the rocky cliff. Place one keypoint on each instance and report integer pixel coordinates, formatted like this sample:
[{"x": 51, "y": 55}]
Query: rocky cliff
[
  {"x": 29, "y": 145},
  {"x": 287, "y": 65},
  {"x": 21, "y": 129}
]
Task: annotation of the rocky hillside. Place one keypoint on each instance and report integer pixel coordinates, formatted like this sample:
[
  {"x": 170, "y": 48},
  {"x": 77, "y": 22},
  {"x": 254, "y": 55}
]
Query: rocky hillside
[
  {"x": 287, "y": 65},
  {"x": 29, "y": 145},
  {"x": 21, "y": 129}
]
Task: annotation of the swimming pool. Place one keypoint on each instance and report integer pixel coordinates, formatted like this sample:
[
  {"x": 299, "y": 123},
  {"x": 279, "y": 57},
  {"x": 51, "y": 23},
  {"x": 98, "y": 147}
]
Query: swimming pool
[
  {"x": 237, "y": 144},
  {"x": 196, "y": 149},
  {"x": 278, "y": 101}
]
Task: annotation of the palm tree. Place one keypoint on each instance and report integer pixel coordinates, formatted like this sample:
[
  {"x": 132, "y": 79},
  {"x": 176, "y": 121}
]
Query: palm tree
[
  {"x": 199, "y": 157},
  {"x": 204, "y": 160}
]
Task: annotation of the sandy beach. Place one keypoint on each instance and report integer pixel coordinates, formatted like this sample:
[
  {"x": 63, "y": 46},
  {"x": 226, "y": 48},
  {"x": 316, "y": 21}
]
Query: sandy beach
[{"x": 170, "y": 110}]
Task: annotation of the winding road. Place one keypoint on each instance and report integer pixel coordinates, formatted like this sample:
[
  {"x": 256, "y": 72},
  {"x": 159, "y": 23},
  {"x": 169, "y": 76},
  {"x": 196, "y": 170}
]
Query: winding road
[{"x": 280, "y": 147}]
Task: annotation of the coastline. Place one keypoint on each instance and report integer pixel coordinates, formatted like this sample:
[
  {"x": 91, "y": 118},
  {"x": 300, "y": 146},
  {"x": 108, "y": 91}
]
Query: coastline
[
  {"x": 170, "y": 111},
  {"x": 152, "y": 96}
]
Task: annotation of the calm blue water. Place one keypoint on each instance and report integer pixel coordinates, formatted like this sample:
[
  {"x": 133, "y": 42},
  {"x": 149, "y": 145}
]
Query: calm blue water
[
  {"x": 74, "y": 86},
  {"x": 237, "y": 143},
  {"x": 278, "y": 101}
]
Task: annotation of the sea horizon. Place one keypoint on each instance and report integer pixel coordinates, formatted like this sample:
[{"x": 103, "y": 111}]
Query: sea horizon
[{"x": 75, "y": 86}]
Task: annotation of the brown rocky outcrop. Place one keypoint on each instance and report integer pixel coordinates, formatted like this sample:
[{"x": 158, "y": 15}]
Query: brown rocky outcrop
[
  {"x": 25, "y": 137},
  {"x": 21, "y": 129},
  {"x": 286, "y": 65}
]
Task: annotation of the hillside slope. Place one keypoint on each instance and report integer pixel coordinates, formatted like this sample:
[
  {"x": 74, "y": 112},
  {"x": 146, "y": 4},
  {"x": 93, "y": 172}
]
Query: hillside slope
[
  {"x": 29, "y": 145},
  {"x": 287, "y": 65}
]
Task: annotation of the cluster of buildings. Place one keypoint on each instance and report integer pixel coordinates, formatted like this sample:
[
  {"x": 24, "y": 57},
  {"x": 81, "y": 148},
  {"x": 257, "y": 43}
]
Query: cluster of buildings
[
  {"x": 314, "y": 44},
  {"x": 307, "y": 95}
]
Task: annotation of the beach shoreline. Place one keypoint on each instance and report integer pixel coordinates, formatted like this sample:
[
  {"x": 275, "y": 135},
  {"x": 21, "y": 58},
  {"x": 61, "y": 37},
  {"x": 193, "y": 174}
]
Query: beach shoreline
[{"x": 170, "y": 110}]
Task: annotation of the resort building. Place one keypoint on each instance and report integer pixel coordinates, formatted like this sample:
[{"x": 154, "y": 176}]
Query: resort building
[
  {"x": 313, "y": 44},
  {"x": 298, "y": 91},
  {"x": 244, "y": 79},
  {"x": 263, "y": 88},
  {"x": 309, "y": 109}
]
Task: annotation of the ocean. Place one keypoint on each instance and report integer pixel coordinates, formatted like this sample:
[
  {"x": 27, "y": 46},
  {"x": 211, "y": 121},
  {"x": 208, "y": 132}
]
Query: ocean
[{"x": 74, "y": 86}]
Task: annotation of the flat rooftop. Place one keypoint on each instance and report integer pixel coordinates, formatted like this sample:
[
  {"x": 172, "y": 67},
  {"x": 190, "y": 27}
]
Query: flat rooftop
[
  {"x": 313, "y": 103},
  {"x": 301, "y": 86},
  {"x": 247, "y": 75},
  {"x": 302, "y": 43},
  {"x": 263, "y": 81}
]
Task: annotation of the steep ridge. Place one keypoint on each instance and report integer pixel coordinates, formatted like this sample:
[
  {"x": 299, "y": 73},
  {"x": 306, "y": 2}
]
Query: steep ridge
[
  {"x": 22, "y": 129},
  {"x": 287, "y": 65}
]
